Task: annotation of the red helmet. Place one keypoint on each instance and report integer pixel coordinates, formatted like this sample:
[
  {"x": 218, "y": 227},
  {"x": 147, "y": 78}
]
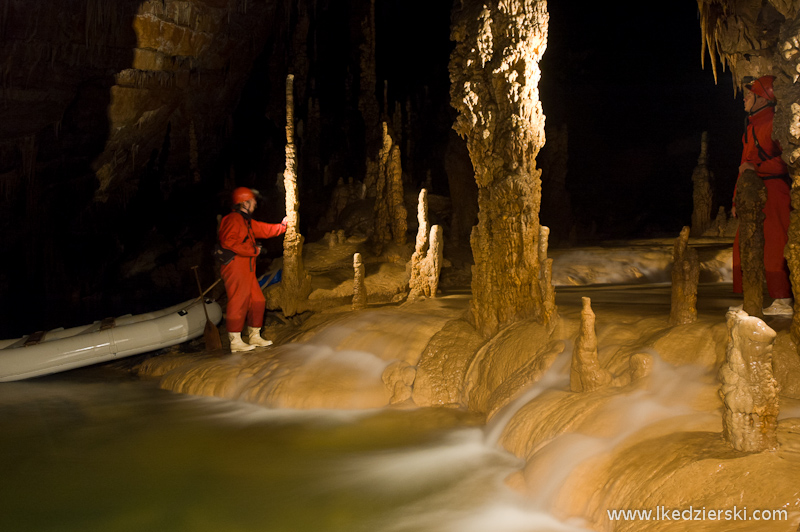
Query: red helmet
[
  {"x": 762, "y": 87},
  {"x": 242, "y": 194}
]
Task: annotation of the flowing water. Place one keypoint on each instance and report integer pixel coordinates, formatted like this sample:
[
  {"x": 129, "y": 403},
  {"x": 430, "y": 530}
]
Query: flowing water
[{"x": 90, "y": 450}]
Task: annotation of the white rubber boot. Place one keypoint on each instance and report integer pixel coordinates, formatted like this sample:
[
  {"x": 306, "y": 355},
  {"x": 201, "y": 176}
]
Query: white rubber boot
[
  {"x": 780, "y": 307},
  {"x": 237, "y": 344},
  {"x": 255, "y": 339}
]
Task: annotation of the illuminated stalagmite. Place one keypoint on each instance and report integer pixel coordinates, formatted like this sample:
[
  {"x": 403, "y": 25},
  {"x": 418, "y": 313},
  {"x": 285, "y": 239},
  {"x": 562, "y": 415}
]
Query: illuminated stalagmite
[
  {"x": 295, "y": 286},
  {"x": 586, "y": 375},
  {"x": 701, "y": 194},
  {"x": 426, "y": 262},
  {"x": 685, "y": 276},
  {"x": 751, "y": 195},
  {"x": 749, "y": 390},
  {"x": 494, "y": 73},
  {"x": 359, "y": 287}
]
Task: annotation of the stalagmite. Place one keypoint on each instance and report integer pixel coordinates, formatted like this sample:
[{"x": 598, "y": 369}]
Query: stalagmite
[
  {"x": 295, "y": 285},
  {"x": 546, "y": 286},
  {"x": 359, "y": 287},
  {"x": 586, "y": 375},
  {"x": 494, "y": 70},
  {"x": 426, "y": 262},
  {"x": 751, "y": 195},
  {"x": 685, "y": 276},
  {"x": 382, "y": 232},
  {"x": 397, "y": 209},
  {"x": 701, "y": 194},
  {"x": 749, "y": 390}
]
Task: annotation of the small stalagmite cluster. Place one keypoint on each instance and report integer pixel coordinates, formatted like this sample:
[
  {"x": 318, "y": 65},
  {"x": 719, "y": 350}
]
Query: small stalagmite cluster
[
  {"x": 494, "y": 72},
  {"x": 751, "y": 196},
  {"x": 685, "y": 276},
  {"x": 749, "y": 390},
  {"x": 426, "y": 262},
  {"x": 586, "y": 375}
]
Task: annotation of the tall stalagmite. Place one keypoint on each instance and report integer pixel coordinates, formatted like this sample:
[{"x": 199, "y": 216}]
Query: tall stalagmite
[
  {"x": 751, "y": 195},
  {"x": 749, "y": 390},
  {"x": 701, "y": 192},
  {"x": 494, "y": 74},
  {"x": 295, "y": 285},
  {"x": 359, "y": 285}
]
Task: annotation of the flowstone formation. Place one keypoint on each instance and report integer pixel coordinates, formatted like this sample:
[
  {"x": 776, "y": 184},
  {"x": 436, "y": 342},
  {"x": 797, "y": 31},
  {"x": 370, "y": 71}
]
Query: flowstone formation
[
  {"x": 685, "y": 276},
  {"x": 749, "y": 390},
  {"x": 701, "y": 191},
  {"x": 586, "y": 375},
  {"x": 494, "y": 73},
  {"x": 290, "y": 294},
  {"x": 751, "y": 196}
]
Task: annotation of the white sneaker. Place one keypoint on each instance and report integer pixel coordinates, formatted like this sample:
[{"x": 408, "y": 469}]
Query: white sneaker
[
  {"x": 779, "y": 307},
  {"x": 255, "y": 339},
  {"x": 237, "y": 344}
]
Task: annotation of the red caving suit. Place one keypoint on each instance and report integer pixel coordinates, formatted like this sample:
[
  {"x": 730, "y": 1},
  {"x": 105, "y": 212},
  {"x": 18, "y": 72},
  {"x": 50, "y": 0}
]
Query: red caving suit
[
  {"x": 769, "y": 166},
  {"x": 238, "y": 233}
]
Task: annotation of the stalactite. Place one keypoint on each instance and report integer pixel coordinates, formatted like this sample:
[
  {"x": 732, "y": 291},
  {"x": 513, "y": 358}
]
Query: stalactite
[
  {"x": 685, "y": 276},
  {"x": 751, "y": 196},
  {"x": 749, "y": 390}
]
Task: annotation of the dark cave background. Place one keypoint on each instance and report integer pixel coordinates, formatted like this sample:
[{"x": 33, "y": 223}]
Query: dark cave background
[{"x": 626, "y": 84}]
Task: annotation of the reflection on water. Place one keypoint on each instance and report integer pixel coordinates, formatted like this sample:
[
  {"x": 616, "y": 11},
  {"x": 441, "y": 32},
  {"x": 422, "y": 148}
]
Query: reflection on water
[{"x": 89, "y": 451}]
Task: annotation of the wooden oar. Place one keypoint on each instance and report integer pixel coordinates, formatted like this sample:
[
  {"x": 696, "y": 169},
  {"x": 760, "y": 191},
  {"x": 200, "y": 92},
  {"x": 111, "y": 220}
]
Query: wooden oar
[{"x": 210, "y": 333}]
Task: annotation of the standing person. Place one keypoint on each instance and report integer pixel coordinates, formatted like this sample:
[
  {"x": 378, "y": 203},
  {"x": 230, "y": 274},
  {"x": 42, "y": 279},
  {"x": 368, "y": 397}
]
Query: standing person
[
  {"x": 763, "y": 155},
  {"x": 238, "y": 233}
]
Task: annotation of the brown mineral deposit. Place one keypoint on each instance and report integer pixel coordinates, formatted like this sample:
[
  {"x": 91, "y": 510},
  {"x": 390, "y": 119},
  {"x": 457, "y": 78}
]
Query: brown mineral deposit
[
  {"x": 359, "y": 287},
  {"x": 685, "y": 276}
]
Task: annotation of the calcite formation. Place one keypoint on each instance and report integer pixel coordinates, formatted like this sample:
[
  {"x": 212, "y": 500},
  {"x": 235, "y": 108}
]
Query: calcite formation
[
  {"x": 701, "y": 190},
  {"x": 749, "y": 389},
  {"x": 359, "y": 286},
  {"x": 751, "y": 196},
  {"x": 426, "y": 262},
  {"x": 295, "y": 286},
  {"x": 685, "y": 276},
  {"x": 494, "y": 73},
  {"x": 548, "y": 290},
  {"x": 586, "y": 375}
]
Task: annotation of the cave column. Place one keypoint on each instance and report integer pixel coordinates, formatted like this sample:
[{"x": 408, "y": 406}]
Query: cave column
[{"x": 494, "y": 74}]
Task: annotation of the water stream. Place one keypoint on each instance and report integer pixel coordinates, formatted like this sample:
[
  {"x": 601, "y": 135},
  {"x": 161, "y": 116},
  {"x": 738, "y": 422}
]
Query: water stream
[{"x": 91, "y": 450}]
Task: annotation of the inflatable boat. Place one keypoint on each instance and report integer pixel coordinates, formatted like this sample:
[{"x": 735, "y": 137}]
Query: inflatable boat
[{"x": 62, "y": 349}]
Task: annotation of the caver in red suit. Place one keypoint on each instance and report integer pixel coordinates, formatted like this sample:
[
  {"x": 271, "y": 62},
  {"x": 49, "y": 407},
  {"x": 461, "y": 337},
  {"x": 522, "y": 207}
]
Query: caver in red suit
[
  {"x": 238, "y": 233},
  {"x": 763, "y": 154}
]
